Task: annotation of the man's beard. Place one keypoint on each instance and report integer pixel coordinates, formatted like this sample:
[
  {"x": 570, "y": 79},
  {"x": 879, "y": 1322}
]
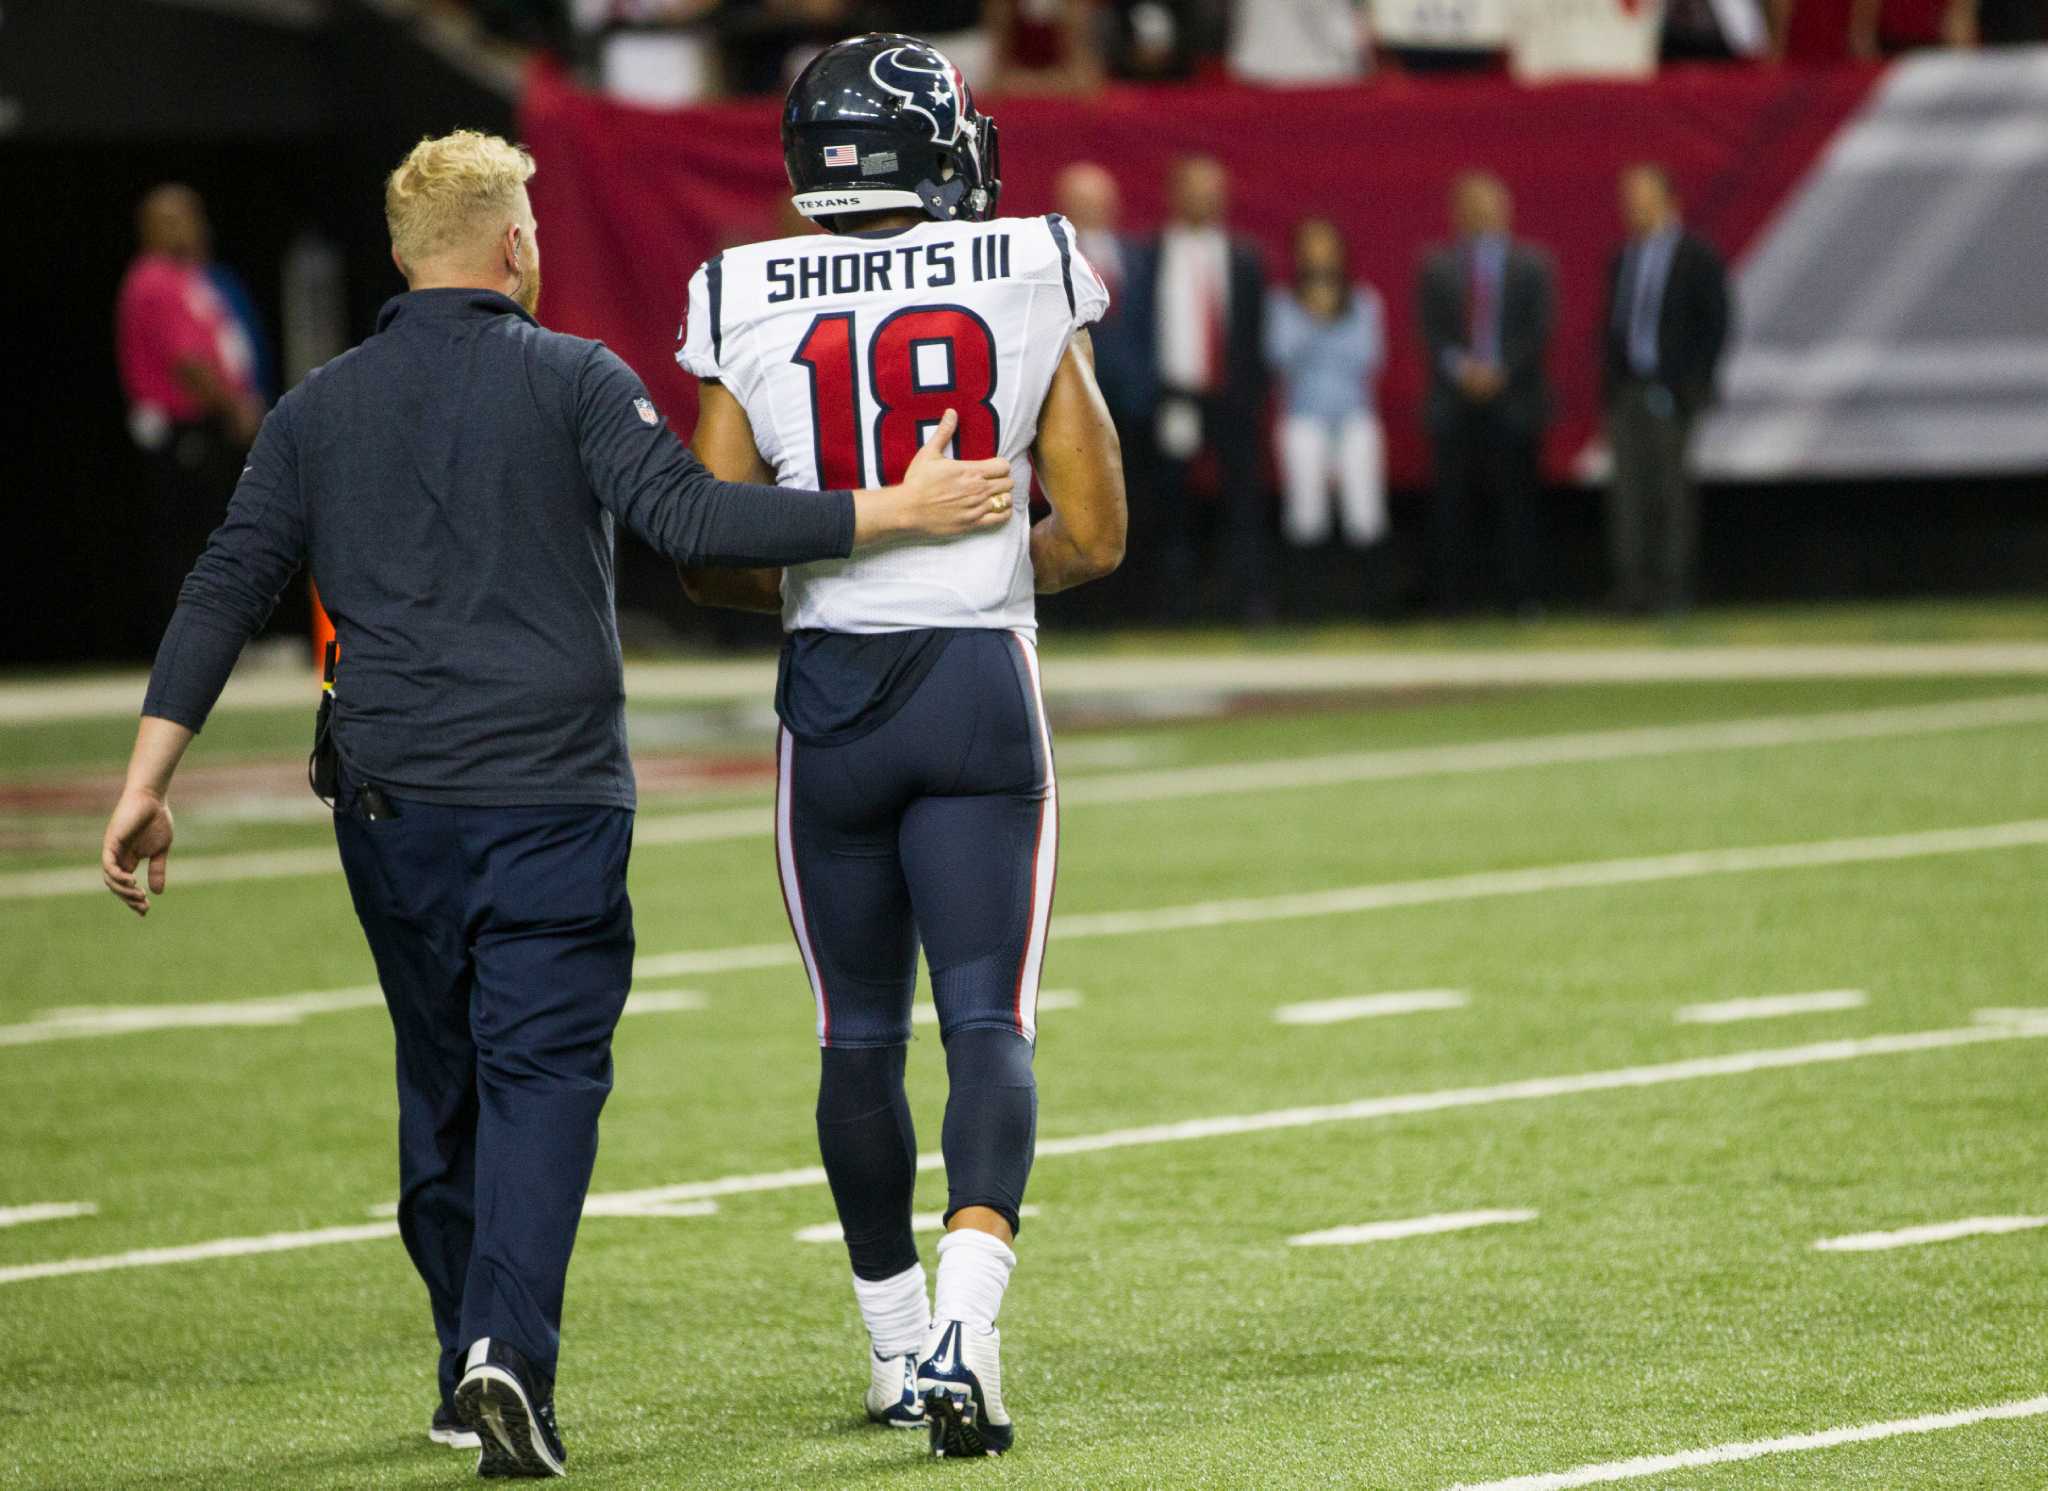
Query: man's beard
[{"x": 528, "y": 291}]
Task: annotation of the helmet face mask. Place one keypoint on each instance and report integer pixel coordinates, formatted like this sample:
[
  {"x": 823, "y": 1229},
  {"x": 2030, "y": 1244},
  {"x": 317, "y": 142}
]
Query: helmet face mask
[{"x": 884, "y": 123}]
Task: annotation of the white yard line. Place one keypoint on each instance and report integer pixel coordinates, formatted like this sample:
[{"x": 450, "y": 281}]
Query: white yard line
[
  {"x": 1096, "y": 751},
  {"x": 1931, "y": 1232},
  {"x": 1376, "y": 1232},
  {"x": 1530, "y": 1089},
  {"x": 1484, "y": 885},
  {"x": 1771, "y": 1007},
  {"x": 1634, "y": 743},
  {"x": 1370, "y": 1006},
  {"x": 45, "y": 1211},
  {"x": 2013, "y": 1014},
  {"x": 653, "y": 1200},
  {"x": 722, "y": 826},
  {"x": 84, "y": 1022},
  {"x": 87, "y": 1021},
  {"x": 665, "y": 1002},
  {"x": 926, "y": 1013},
  {"x": 1757, "y": 1449},
  {"x": 1344, "y": 901},
  {"x": 186, "y": 871},
  {"x": 1191, "y": 782},
  {"x": 719, "y": 960},
  {"x": 612, "y": 1206},
  {"x": 923, "y": 1221},
  {"x": 220, "y": 1247},
  {"x": 1589, "y": 875},
  {"x": 616, "y": 1204}
]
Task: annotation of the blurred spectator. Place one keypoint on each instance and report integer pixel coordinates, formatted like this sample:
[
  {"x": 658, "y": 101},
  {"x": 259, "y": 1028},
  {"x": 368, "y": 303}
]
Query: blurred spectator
[
  {"x": 2004, "y": 23},
  {"x": 533, "y": 23},
  {"x": 1714, "y": 30},
  {"x": 1163, "y": 39},
  {"x": 1427, "y": 36},
  {"x": 1326, "y": 339},
  {"x": 1088, "y": 197},
  {"x": 1208, "y": 293},
  {"x": 763, "y": 44},
  {"x": 1302, "y": 42},
  {"x": 1884, "y": 28},
  {"x": 660, "y": 53},
  {"x": 1834, "y": 30},
  {"x": 1044, "y": 46},
  {"x": 186, "y": 368},
  {"x": 234, "y": 294},
  {"x": 955, "y": 27},
  {"x": 1666, "y": 327},
  {"x": 1487, "y": 305}
]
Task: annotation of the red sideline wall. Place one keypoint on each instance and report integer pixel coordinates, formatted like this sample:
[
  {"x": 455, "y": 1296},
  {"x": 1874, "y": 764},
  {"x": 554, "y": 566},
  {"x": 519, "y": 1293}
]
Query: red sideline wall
[{"x": 630, "y": 200}]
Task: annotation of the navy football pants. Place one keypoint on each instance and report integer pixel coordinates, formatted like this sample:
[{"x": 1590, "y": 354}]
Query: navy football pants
[
  {"x": 938, "y": 827},
  {"x": 504, "y": 943}
]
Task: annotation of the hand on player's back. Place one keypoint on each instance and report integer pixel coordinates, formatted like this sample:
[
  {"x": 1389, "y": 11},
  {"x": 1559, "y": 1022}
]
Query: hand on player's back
[{"x": 941, "y": 497}]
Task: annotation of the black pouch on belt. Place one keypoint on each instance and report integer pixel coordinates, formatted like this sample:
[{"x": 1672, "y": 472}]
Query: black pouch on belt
[{"x": 323, "y": 767}]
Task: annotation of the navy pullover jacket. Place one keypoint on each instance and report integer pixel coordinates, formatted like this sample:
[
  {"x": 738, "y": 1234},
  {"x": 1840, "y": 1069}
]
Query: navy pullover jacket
[{"x": 453, "y": 483}]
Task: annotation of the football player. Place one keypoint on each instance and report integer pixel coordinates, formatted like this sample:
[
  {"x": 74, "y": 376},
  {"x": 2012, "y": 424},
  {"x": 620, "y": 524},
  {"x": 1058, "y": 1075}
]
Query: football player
[{"x": 915, "y": 801}]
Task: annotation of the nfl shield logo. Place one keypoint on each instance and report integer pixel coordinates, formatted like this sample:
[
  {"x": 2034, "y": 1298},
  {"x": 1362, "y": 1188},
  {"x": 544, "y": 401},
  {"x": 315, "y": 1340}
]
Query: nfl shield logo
[
  {"x": 841, "y": 155},
  {"x": 646, "y": 412}
]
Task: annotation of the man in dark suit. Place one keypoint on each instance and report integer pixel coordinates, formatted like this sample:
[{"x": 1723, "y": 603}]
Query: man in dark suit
[
  {"x": 1487, "y": 308},
  {"x": 1089, "y": 200},
  {"x": 1207, "y": 294},
  {"x": 1662, "y": 339}
]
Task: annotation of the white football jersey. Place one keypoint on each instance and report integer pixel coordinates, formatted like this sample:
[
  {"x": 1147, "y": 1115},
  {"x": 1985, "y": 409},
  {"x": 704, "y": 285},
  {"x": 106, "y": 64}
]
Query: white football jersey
[{"x": 845, "y": 351}]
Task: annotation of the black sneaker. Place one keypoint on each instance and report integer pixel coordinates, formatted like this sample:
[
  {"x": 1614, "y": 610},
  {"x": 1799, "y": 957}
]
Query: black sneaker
[
  {"x": 446, "y": 1428},
  {"x": 513, "y": 1412}
]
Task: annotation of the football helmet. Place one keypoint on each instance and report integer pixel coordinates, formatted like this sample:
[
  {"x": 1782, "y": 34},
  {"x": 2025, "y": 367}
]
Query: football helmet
[{"x": 884, "y": 122}]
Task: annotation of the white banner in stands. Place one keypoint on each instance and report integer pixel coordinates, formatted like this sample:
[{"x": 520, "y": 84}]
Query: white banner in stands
[
  {"x": 1448, "y": 25},
  {"x": 1584, "y": 38},
  {"x": 1893, "y": 320}
]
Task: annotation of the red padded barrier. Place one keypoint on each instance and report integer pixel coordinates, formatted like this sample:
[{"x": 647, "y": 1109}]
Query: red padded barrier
[{"x": 630, "y": 200}]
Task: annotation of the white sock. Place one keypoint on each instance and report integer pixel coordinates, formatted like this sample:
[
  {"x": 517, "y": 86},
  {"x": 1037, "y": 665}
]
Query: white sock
[
  {"x": 896, "y": 1311},
  {"x": 974, "y": 1270}
]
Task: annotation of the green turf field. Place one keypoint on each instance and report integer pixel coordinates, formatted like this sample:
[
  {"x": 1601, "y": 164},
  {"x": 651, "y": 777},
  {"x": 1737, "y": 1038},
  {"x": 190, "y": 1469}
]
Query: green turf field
[{"x": 1161, "y": 1330}]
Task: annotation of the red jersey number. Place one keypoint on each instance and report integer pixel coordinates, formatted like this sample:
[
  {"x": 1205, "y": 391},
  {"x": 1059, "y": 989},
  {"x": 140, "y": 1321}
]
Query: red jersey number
[{"x": 922, "y": 361}]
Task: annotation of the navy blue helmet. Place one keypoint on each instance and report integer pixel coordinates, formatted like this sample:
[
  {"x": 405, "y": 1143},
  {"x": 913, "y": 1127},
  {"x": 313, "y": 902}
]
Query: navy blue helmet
[{"x": 883, "y": 122}]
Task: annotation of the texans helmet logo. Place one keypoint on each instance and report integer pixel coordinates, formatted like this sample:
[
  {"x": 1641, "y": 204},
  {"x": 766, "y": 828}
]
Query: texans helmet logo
[{"x": 927, "y": 84}]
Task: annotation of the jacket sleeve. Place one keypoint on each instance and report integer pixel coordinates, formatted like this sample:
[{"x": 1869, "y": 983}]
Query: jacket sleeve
[
  {"x": 1285, "y": 331},
  {"x": 1438, "y": 312},
  {"x": 1525, "y": 340},
  {"x": 645, "y": 477},
  {"x": 1716, "y": 314},
  {"x": 1248, "y": 309},
  {"x": 234, "y": 587},
  {"x": 1604, "y": 348},
  {"x": 1370, "y": 330}
]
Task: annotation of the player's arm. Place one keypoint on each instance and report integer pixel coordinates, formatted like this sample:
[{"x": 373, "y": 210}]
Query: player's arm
[
  {"x": 1080, "y": 462},
  {"x": 724, "y": 442}
]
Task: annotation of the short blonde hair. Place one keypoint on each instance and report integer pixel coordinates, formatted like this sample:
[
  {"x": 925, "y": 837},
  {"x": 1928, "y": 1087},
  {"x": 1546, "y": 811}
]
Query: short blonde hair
[{"x": 453, "y": 188}]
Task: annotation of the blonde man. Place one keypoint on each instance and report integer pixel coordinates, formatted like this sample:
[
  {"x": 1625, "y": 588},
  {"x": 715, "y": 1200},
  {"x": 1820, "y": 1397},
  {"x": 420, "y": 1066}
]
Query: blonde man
[{"x": 454, "y": 484}]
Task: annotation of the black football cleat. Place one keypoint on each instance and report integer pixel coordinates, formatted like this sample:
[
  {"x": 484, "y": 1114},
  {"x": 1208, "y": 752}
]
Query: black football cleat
[
  {"x": 513, "y": 1413},
  {"x": 446, "y": 1428},
  {"x": 961, "y": 1379}
]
